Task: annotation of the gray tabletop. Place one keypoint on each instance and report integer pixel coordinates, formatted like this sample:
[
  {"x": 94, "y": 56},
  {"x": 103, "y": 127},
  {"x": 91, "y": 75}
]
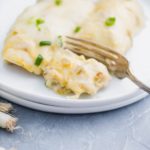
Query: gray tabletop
[{"x": 127, "y": 128}]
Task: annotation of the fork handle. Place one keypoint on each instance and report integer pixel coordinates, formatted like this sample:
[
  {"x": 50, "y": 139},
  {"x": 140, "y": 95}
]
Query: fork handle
[{"x": 137, "y": 82}]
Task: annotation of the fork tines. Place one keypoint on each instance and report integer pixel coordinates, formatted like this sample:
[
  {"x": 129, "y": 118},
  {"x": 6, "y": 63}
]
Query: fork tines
[{"x": 90, "y": 49}]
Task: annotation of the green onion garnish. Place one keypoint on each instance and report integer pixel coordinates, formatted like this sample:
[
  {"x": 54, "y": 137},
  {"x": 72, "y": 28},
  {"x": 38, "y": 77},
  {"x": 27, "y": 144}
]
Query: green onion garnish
[
  {"x": 77, "y": 29},
  {"x": 110, "y": 21},
  {"x": 58, "y": 2},
  {"x": 59, "y": 41},
  {"x": 45, "y": 43},
  {"x": 39, "y": 21},
  {"x": 39, "y": 60}
]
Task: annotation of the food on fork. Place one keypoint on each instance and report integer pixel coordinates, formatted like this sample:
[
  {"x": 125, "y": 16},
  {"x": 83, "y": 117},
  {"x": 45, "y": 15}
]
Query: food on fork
[
  {"x": 36, "y": 41},
  {"x": 68, "y": 73}
]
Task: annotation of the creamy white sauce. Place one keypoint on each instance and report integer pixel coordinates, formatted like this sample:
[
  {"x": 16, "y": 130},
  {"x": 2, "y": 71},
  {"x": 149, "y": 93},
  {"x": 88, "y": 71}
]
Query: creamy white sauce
[{"x": 62, "y": 20}]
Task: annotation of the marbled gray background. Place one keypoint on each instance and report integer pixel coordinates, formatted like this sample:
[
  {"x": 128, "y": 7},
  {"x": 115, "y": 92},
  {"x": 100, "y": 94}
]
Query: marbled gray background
[{"x": 127, "y": 128}]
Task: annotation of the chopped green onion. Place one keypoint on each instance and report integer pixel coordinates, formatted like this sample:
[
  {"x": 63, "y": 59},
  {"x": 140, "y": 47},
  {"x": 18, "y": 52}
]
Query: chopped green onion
[
  {"x": 39, "y": 21},
  {"x": 45, "y": 43},
  {"x": 60, "y": 41},
  {"x": 58, "y": 2},
  {"x": 39, "y": 60},
  {"x": 110, "y": 21},
  {"x": 77, "y": 29}
]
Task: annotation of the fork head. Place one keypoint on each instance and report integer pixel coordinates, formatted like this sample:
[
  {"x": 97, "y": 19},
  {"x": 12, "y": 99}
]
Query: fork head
[{"x": 117, "y": 64}]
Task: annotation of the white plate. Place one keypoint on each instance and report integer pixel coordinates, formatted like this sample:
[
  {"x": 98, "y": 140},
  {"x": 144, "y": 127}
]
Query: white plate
[
  {"x": 65, "y": 110},
  {"x": 21, "y": 84}
]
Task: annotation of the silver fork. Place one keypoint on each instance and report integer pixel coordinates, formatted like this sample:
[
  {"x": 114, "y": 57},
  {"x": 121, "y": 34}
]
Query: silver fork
[{"x": 117, "y": 64}]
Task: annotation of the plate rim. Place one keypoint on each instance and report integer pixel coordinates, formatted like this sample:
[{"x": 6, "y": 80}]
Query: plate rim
[
  {"x": 71, "y": 102},
  {"x": 66, "y": 110}
]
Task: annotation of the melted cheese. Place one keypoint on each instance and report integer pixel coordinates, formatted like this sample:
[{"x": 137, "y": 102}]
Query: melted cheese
[{"x": 68, "y": 71}]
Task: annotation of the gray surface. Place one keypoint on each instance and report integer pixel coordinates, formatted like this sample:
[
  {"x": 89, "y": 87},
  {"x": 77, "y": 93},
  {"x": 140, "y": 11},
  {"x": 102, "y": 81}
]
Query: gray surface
[{"x": 123, "y": 129}]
